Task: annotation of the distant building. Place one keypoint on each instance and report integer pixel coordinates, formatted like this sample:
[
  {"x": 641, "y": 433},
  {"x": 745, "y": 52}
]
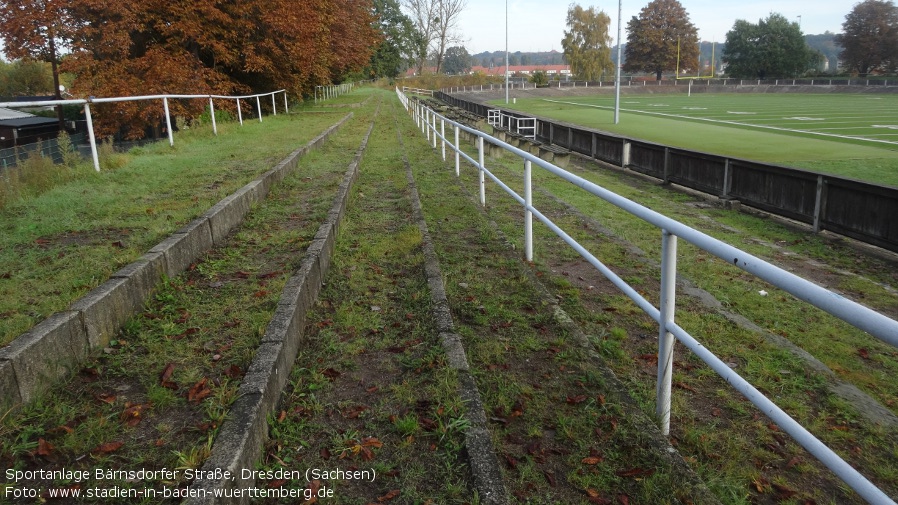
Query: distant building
[
  {"x": 550, "y": 70},
  {"x": 19, "y": 128}
]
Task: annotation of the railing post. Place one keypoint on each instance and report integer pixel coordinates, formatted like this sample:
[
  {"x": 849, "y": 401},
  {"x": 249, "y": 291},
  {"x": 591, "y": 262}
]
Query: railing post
[
  {"x": 666, "y": 165},
  {"x": 727, "y": 179},
  {"x": 427, "y": 123},
  {"x": 528, "y": 214},
  {"x": 481, "y": 178},
  {"x": 625, "y": 154},
  {"x": 259, "y": 108},
  {"x": 93, "y": 138},
  {"x": 433, "y": 121},
  {"x": 286, "y": 109},
  {"x": 274, "y": 108},
  {"x": 819, "y": 204},
  {"x": 212, "y": 113},
  {"x": 457, "y": 154},
  {"x": 239, "y": 113},
  {"x": 171, "y": 137},
  {"x": 665, "y": 338},
  {"x": 443, "y": 135}
]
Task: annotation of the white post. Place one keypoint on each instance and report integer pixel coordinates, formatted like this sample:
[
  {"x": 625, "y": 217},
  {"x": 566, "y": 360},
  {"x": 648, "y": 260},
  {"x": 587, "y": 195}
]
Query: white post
[
  {"x": 427, "y": 124},
  {"x": 212, "y": 113},
  {"x": 171, "y": 138},
  {"x": 481, "y": 174},
  {"x": 286, "y": 109},
  {"x": 90, "y": 134},
  {"x": 433, "y": 120},
  {"x": 665, "y": 338},
  {"x": 457, "y": 151},
  {"x": 443, "y": 134},
  {"x": 259, "y": 108},
  {"x": 274, "y": 107},
  {"x": 528, "y": 214},
  {"x": 239, "y": 113}
]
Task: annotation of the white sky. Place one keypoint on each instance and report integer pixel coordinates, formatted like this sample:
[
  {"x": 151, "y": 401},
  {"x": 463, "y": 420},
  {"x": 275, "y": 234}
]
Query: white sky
[{"x": 538, "y": 25}]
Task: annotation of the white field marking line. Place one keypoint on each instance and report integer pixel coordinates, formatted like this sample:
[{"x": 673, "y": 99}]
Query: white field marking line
[{"x": 736, "y": 123}]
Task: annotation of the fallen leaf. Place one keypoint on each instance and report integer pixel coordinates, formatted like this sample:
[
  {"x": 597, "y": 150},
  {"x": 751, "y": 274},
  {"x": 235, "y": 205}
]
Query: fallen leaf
[
  {"x": 108, "y": 447},
  {"x": 166, "y": 375},
  {"x": 199, "y": 391},
  {"x": 133, "y": 414},
  {"x": 330, "y": 373},
  {"x": 274, "y": 484},
  {"x": 389, "y": 496},
  {"x": 591, "y": 460},
  {"x": 550, "y": 478},
  {"x": 574, "y": 400},
  {"x": 512, "y": 463},
  {"x": 107, "y": 398},
  {"x": 44, "y": 448},
  {"x": 372, "y": 442},
  {"x": 325, "y": 453},
  {"x": 864, "y": 353}
]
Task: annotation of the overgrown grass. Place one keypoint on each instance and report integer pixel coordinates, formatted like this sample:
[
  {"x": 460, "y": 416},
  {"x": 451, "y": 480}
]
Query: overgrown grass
[
  {"x": 705, "y": 415},
  {"x": 157, "y": 395},
  {"x": 57, "y": 245}
]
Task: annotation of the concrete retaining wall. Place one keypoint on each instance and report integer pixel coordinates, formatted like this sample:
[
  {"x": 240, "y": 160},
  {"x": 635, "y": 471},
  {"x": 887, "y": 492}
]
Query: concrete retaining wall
[
  {"x": 55, "y": 347},
  {"x": 240, "y": 440}
]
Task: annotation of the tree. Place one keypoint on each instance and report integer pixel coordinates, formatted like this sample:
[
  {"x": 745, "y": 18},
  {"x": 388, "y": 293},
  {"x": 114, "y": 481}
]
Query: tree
[
  {"x": 435, "y": 21},
  {"x": 36, "y": 29},
  {"x": 140, "y": 47},
  {"x": 25, "y": 78},
  {"x": 869, "y": 38},
  {"x": 539, "y": 78},
  {"x": 661, "y": 39},
  {"x": 773, "y": 48},
  {"x": 397, "y": 48},
  {"x": 458, "y": 61},
  {"x": 586, "y": 43}
]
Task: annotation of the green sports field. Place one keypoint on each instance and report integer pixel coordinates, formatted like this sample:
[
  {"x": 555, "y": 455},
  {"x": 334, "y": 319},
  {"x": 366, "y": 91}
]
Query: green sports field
[{"x": 853, "y": 135}]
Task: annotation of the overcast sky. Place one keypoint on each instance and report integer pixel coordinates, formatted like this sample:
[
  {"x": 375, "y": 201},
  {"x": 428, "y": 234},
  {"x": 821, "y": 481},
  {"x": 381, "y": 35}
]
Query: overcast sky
[{"x": 538, "y": 25}]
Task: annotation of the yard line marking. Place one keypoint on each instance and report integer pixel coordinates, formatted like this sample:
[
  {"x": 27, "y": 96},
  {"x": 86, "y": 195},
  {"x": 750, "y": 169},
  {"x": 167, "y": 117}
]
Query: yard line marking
[{"x": 736, "y": 123}]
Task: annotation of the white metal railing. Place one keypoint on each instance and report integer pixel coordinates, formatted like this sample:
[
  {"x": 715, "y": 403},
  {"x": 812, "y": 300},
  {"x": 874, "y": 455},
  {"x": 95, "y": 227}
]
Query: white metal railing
[
  {"x": 417, "y": 91},
  {"x": 164, "y": 98},
  {"x": 523, "y": 126},
  {"x": 332, "y": 91},
  {"x": 857, "y": 315}
]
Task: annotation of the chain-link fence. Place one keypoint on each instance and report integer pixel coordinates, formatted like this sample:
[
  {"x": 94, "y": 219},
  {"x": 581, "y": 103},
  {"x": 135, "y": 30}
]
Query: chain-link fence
[{"x": 49, "y": 148}]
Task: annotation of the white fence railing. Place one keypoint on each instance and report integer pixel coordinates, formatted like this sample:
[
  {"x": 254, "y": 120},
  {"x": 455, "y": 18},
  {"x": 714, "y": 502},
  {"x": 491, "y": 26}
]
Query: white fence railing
[
  {"x": 861, "y": 317},
  {"x": 165, "y": 99},
  {"x": 332, "y": 91}
]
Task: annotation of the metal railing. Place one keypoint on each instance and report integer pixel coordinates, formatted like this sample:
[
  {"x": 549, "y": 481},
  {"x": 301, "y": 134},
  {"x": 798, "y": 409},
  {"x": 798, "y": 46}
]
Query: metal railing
[
  {"x": 523, "y": 126},
  {"x": 332, "y": 91},
  {"x": 853, "y": 313},
  {"x": 164, "y": 98}
]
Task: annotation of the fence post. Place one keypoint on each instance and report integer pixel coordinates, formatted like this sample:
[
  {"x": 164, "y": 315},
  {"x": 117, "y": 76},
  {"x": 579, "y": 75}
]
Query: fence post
[
  {"x": 286, "y": 109},
  {"x": 90, "y": 134},
  {"x": 433, "y": 121},
  {"x": 480, "y": 172},
  {"x": 171, "y": 138},
  {"x": 212, "y": 113},
  {"x": 427, "y": 123},
  {"x": 528, "y": 214},
  {"x": 819, "y": 204},
  {"x": 666, "y": 165},
  {"x": 457, "y": 156},
  {"x": 665, "y": 338},
  {"x": 239, "y": 113},
  {"x": 259, "y": 107},
  {"x": 443, "y": 135},
  {"x": 727, "y": 179},
  {"x": 625, "y": 154},
  {"x": 274, "y": 108}
]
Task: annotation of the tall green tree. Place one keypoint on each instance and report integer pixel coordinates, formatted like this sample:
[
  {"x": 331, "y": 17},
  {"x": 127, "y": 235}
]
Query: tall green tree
[
  {"x": 869, "y": 37},
  {"x": 25, "y": 78},
  {"x": 586, "y": 43},
  {"x": 457, "y": 61},
  {"x": 661, "y": 39},
  {"x": 773, "y": 48},
  {"x": 397, "y": 49}
]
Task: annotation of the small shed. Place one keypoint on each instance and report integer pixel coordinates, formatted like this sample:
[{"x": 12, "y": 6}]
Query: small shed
[{"x": 19, "y": 128}]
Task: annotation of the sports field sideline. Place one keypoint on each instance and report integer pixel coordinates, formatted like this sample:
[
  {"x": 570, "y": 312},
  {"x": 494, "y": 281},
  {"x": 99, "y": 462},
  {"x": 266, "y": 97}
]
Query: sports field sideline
[{"x": 849, "y": 134}]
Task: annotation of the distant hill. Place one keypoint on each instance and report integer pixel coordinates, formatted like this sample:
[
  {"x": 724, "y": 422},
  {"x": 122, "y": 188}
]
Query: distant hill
[{"x": 497, "y": 58}]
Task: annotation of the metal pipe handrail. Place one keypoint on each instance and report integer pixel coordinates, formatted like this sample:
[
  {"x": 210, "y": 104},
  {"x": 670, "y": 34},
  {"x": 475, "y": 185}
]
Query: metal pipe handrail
[
  {"x": 859, "y": 316},
  {"x": 171, "y": 140}
]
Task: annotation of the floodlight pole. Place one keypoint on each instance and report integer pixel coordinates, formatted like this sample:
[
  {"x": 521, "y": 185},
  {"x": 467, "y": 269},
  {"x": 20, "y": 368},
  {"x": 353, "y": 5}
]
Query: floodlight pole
[
  {"x": 617, "y": 73},
  {"x": 506, "y": 52}
]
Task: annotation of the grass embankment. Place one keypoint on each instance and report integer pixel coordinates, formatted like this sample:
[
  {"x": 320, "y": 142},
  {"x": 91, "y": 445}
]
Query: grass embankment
[
  {"x": 56, "y": 246},
  {"x": 729, "y": 124},
  {"x": 156, "y": 396},
  {"x": 741, "y": 455}
]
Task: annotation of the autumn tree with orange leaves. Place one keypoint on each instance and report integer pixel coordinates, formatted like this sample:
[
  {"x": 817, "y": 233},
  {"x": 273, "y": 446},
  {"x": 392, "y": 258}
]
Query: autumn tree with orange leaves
[{"x": 144, "y": 47}]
